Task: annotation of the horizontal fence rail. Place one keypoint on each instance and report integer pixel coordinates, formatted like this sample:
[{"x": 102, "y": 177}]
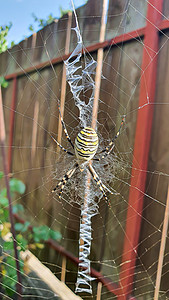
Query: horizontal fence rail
[
  {"x": 106, "y": 282},
  {"x": 126, "y": 37}
]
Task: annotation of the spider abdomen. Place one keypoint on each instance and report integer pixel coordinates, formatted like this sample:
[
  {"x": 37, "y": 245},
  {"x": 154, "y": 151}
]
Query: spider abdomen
[{"x": 86, "y": 144}]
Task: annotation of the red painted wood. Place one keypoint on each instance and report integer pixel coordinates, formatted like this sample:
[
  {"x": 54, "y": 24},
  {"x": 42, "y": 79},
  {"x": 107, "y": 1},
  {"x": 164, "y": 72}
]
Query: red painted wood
[
  {"x": 115, "y": 41},
  {"x": 125, "y": 37},
  {"x": 11, "y": 125},
  {"x": 111, "y": 287},
  {"x": 141, "y": 147},
  {"x": 164, "y": 25}
]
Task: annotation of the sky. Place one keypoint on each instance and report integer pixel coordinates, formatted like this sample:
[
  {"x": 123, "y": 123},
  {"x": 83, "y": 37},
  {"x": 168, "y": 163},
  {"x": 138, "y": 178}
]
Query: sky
[{"x": 19, "y": 12}]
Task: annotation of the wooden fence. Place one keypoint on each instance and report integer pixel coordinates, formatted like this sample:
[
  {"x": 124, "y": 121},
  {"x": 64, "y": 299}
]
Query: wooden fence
[{"x": 135, "y": 57}]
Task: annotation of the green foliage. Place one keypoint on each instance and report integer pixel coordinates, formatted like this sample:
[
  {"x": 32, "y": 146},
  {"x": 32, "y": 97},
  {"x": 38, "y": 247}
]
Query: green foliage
[
  {"x": 3, "y": 47},
  {"x": 49, "y": 19},
  {"x": 3, "y": 37},
  {"x": 3, "y": 82},
  {"x": 44, "y": 233},
  {"x": 22, "y": 227},
  {"x": 63, "y": 11},
  {"x": 4, "y": 30},
  {"x": 27, "y": 236},
  {"x": 9, "y": 272},
  {"x": 17, "y": 208},
  {"x": 41, "y": 22},
  {"x": 17, "y": 186}
]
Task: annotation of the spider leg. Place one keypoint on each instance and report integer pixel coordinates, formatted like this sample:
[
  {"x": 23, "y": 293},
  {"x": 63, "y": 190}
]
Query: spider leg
[
  {"x": 99, "y": 183},
  {"x": 64, "y": 128},
  {"x": 111, "y": 145},
  {"x": 65, "y": 150},
  {"x": 65, "y": 179}
]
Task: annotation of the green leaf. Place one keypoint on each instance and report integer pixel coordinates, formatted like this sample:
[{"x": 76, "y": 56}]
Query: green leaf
[
  {"x": 3, "y": 48},
  {"x": 41, "y": 22},
  {"x": 1, "y": 173},
  {"x": 31, "y": 28},
  {"x": 19, "y": 226},
  {"x": 63, "y": 11},
  {"x": 5, "y": 215},
  {"x": 3, "y": 37},
  {"x": 22, "y": 241},
  {"x": 9, "y": 291},
  {"x": 55, "y": 235},
  {"x": 17, "y": 208},
  {"x": 17, "y": 185},
  {"x": 4, "y": 201},
  {"x": 1, "y": 212},
  {"x": 3, "y": 82},
  {"x": 3, "y": 193},
  {"x": 26, "y": 225},
  {"x": 40, "y": 245},
  {"x": 8, "y": 245},
  {"x": 22, "y": 227},
  {"x": 41, "y": 233},
  {"x": 11, "y": 262},
  {"x": 12, "y": 44}
]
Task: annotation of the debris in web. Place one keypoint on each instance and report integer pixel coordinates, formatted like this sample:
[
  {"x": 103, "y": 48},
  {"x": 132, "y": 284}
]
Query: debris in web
[{"x": 80, "y": 80}]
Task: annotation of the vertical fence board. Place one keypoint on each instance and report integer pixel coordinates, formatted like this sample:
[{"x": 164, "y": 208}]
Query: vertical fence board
[{"x": 153, "y": 212}]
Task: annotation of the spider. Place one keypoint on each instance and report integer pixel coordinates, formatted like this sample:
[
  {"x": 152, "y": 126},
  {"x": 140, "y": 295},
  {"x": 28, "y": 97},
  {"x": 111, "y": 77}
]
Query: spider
[{"x": 85, "y": 148}]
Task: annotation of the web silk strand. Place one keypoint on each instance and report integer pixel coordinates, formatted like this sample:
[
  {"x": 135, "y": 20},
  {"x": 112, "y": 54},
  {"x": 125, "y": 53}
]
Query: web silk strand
[{"x": 79, "y": 81}]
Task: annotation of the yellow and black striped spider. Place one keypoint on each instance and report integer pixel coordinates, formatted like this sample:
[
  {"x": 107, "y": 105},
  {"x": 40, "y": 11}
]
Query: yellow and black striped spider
[{"x": 85, "y": 148}]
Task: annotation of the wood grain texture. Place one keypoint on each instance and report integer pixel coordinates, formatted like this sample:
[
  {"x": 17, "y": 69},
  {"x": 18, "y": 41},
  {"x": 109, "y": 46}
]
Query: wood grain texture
[{"x": 58, "y": 287}]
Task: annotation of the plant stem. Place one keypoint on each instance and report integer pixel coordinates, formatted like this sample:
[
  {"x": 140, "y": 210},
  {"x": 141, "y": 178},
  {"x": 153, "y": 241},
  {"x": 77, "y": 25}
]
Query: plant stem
[{"x": 4, "y": 161}]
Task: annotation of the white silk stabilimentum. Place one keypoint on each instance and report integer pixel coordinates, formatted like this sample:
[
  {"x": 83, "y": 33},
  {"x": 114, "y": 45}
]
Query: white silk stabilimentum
[{"x": 80, "y": 80}]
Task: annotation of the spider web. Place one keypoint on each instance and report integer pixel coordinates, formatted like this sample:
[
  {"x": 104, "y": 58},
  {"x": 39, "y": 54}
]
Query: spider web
[{"x": 37, "y": 161}]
